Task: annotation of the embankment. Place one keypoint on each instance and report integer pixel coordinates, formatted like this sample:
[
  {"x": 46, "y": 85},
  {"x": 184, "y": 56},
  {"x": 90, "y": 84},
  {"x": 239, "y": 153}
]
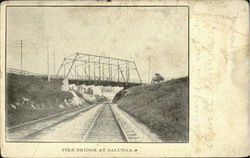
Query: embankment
[
  {"x": 162, "y": 107},
  {"x": 31, "y": 97}
]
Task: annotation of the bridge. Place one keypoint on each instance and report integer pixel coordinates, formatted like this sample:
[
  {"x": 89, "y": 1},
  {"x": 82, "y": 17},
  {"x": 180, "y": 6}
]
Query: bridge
[{"x": 97, "y": 70}]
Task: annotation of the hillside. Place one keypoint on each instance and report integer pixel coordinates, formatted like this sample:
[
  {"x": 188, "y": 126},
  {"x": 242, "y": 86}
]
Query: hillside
[
  {"x": 162, "y": 107},
  {"x": 31, "y": 97}
]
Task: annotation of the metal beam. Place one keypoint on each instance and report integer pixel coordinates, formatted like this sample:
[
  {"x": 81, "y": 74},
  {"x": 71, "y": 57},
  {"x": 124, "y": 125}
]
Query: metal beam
[
  {"x": 102, "y": 57},
  {"x": 71, "y": 66},
  {"x": 105, "y": 65},
  {"x": 89, "y": 61},
  {"x": 122, "y": 74},
  {"x": 60, "y": 67},
  {"x": 137, "y": 72}
]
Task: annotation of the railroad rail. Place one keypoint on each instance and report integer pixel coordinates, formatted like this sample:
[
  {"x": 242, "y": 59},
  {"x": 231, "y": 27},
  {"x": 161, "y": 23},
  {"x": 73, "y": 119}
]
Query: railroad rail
[
  {"x": 105, "y": 127},
  {"x": 130, "y": 129},
  {"x": 103, "y": 123},
  {"x": 24, "y": 131}
]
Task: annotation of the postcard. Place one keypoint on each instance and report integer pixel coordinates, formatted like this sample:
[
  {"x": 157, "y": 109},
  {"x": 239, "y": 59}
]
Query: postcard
[{"x": 124, "y": 78}]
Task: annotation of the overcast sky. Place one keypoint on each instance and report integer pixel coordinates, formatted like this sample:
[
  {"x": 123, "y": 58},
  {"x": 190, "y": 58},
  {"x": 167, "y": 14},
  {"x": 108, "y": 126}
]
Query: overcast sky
[{"x": 137, "y": 33}]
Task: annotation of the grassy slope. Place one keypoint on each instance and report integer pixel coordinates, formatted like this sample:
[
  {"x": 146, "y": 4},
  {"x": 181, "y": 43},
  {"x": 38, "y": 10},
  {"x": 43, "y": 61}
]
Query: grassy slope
[
  {"x": 36, "y": 90},
  {"x": 162, "y": 107}
]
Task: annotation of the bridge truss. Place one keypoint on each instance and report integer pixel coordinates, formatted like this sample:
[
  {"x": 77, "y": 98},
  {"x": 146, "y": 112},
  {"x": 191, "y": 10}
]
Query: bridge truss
[{"x": 90, "y": 69}]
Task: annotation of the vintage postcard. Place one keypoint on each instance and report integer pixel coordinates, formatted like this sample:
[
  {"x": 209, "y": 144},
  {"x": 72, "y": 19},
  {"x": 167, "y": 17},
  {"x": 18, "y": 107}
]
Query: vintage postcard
[{"x": 124, "y": 78}]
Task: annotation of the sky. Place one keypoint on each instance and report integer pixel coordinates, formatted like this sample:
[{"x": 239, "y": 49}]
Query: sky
[{"x": 155, "y": 35}]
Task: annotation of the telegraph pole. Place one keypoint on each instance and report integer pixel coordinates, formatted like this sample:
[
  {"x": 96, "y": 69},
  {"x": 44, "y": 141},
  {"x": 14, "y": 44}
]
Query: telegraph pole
[
  {"x": 54, "y": 56},
  {"x": 149, "y": 69},
  {"x": 21, "y": 46},
  {"x": 48, "y": 60}
]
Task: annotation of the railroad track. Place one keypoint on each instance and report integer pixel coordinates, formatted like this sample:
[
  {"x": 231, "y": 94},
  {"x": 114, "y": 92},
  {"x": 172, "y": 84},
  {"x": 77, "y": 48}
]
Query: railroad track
[
  {"x": 105, "y": 123},
  {"x": 24, "y": 131},
  {"x": 131, "y": 128},
  {"x": 105, "y": 127}
]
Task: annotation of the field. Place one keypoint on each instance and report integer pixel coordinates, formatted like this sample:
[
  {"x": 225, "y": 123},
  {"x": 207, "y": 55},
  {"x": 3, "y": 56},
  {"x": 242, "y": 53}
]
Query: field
[{"x": 162, "y": 107}]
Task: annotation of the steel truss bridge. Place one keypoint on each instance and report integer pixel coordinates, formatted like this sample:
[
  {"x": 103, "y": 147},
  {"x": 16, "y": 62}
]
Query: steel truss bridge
[{"x": 96, "y": 70}]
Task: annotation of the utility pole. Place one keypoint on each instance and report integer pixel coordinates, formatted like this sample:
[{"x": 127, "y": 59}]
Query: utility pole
[
  {"x": 54, "y": 56},
  {"x": 21, "y": 56},
  {"x": 48, "y": 60},
  {"x": 149, "y": 69},
  {"x": 20, "y": 44}
]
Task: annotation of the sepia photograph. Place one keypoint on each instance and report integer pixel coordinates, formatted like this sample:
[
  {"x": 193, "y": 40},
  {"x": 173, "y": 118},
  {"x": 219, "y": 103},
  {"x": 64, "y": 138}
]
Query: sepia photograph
[
  {"x": 97, "y": 74},
  {"x": 124, "y": 78}
]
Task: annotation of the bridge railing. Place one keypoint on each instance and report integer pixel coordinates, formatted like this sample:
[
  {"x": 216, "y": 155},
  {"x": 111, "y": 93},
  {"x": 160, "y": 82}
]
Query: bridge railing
[
  {"x": 28, "y": 73},
  {"x": 23, "y": 72}
]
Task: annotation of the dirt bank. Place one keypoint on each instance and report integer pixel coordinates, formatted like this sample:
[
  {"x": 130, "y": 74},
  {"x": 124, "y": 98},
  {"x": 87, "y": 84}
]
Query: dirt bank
[
  {"x": 32, "y": 97},
  {"x": 162, "y": 107}
]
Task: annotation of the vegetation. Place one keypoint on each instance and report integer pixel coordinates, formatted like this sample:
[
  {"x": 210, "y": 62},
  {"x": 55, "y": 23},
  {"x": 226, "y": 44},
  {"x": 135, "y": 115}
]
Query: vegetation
[
  {"x": 30, "y": 98},
  {"x": 162, "y": 107}
]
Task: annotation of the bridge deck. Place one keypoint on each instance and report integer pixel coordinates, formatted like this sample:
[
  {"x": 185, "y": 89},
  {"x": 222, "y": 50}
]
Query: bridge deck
[{"x": 102, "y": 83}]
